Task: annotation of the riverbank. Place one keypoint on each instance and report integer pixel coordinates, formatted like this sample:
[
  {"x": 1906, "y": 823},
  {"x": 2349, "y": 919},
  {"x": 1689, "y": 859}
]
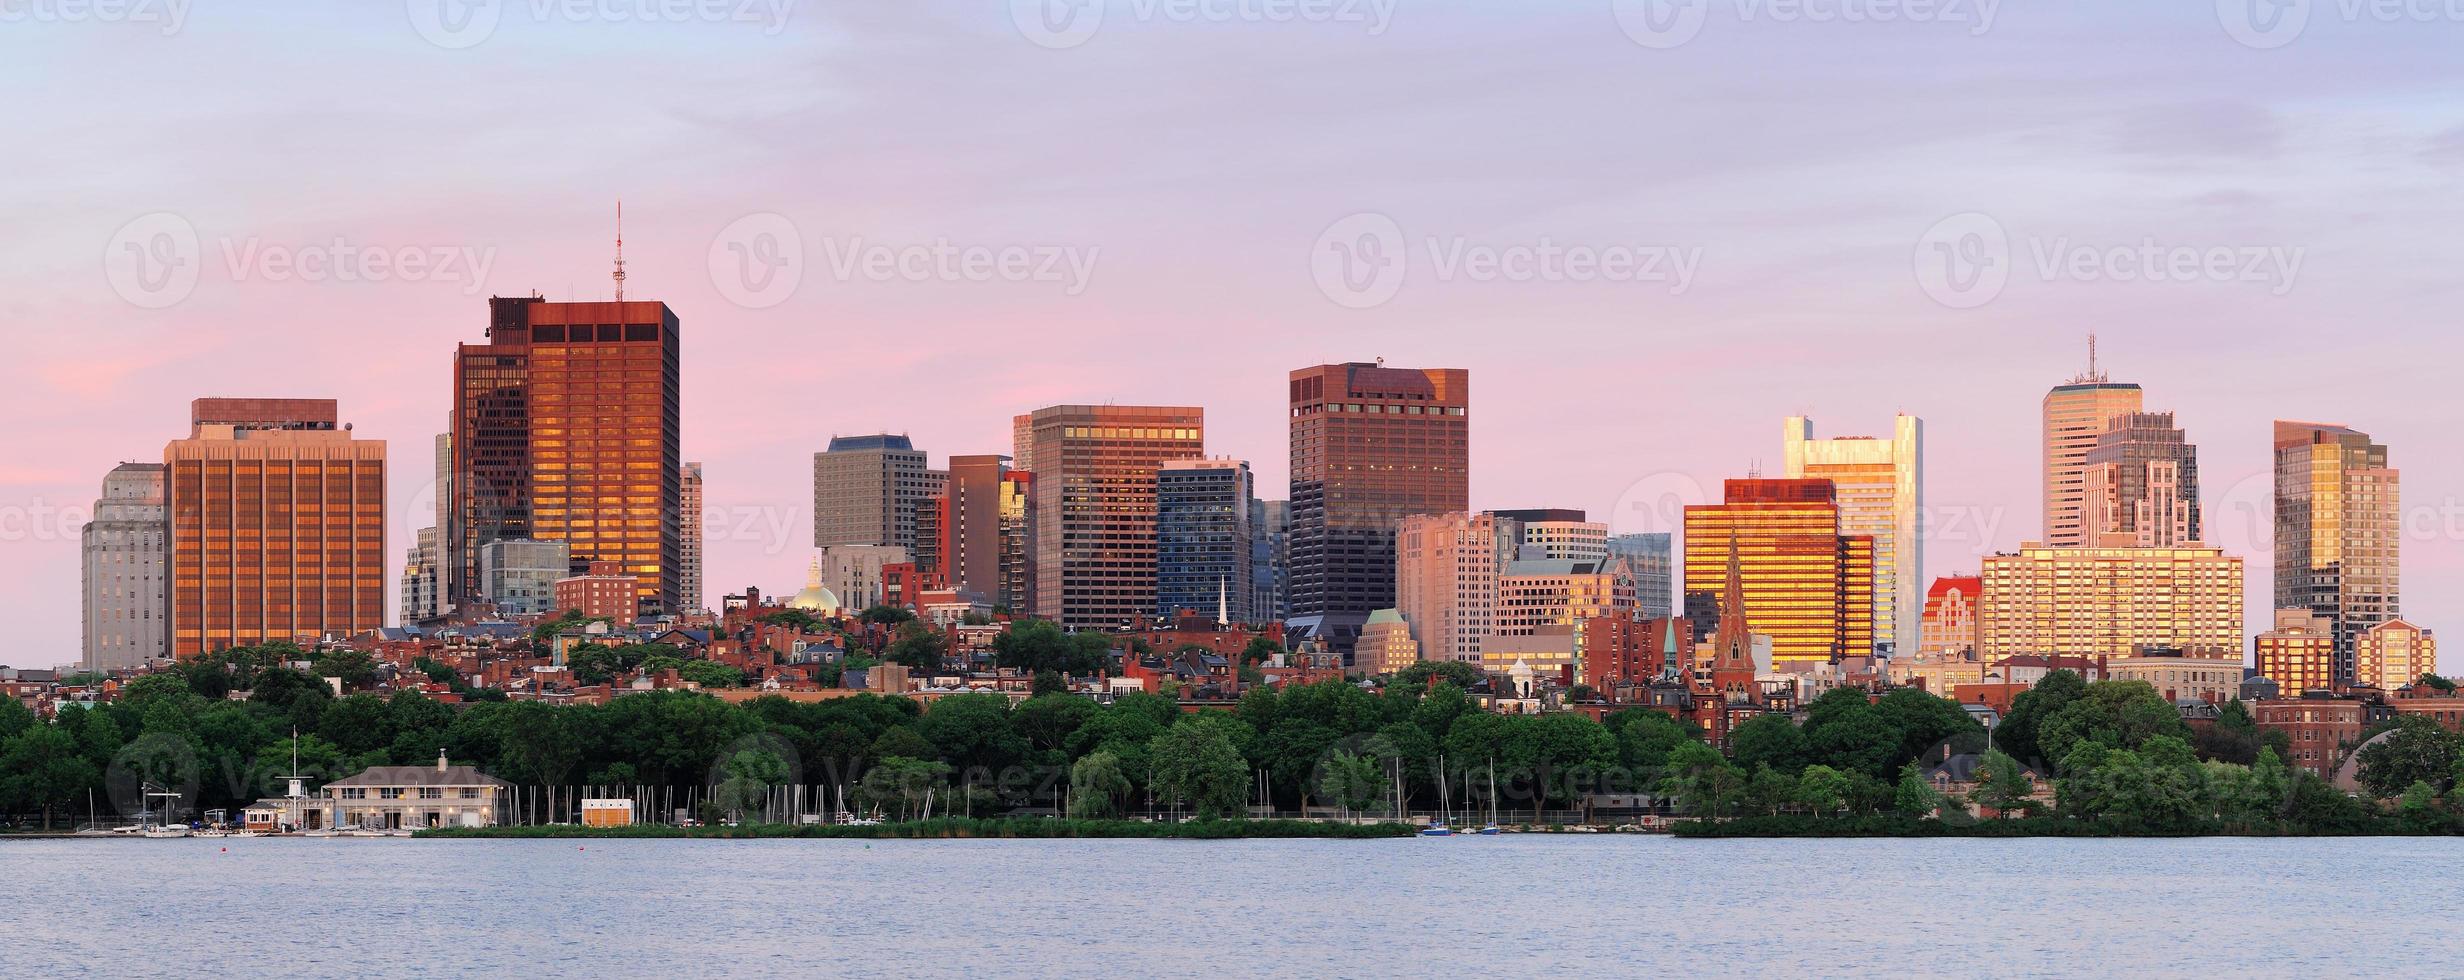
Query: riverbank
[
  {"x": 955, "y": 828},
  {"x": 1800, "y": 826}
]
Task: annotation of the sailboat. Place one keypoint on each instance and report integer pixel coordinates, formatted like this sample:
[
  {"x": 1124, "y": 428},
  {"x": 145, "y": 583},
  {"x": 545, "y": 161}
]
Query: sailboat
[
  {"x": 1437, "y": 827},
  {"x": 1491, "y": 830}
]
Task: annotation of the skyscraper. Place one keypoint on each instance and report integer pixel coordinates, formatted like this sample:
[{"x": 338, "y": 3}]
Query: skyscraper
[
  {"x": 2142, "y": 486},
  {"x": 1447, "y": 568},
  {"x": 2338, "y": 527},
  {"x": 1371, "y": 445},
  {"x": 689, "y": 539},
  {"x": 422, "y": 568},
  {"x": 2099, "y": 602},
  {"x": 1270, "y": 523},
  {"x": 1649, "y": 556},
  {"x": 1880, "y": 486},
  {"x": 2077, "y": 412},
  {"x": 1095, "y": 506},
  {"x": 867, "y": 490},
  {"x": 1203, "y": 538},
  {"x": 277, "y": 524},
  {"x": 567, "y": 429},
  {"x": 1803, "y": 582},
  {"x": 968, "y": 551},
  {"x": 126, "y": 570}
]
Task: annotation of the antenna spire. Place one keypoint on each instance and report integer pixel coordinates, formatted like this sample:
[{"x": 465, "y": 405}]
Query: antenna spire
[
  {"x": 2092, "y": 372},
  {"x": 620, "y": 250}
]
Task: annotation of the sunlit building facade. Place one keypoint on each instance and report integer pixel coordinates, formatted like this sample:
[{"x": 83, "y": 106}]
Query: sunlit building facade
[
  {"x": 1203, "y": 539},
  {"x": 1650, "y": 557},
  {"x": 689, "y": 539},
  {"x": 126, "y": 570},
  {"x": 1879, "y": 485},
  {"x": 1371, "y": 445},
  {"x": 2142, "y": 485},
  {"x": 2076, "y": 414},
  {"x": 1552, "y": 597},
  {"x": 1447, "y": 568},
  {"x": 1803, "y": 583},
  {"x": 2110, "y": 602},
  {"x": 1094, "y": 505},
  {"x": 2299, "y": 654},
  {"x": 2338, "y": 531},
  {"x": 2395, "y": 653}
]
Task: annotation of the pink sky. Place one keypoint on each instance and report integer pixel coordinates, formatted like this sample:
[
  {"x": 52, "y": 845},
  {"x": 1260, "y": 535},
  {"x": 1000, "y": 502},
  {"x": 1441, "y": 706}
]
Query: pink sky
[{"x": 1194, "y": 166}]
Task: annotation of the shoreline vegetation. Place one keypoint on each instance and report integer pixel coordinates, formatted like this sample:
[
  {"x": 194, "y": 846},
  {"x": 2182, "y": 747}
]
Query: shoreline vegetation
[
  {"x": 1897, "y": 826},
  {"x": 952, "y": 828}
]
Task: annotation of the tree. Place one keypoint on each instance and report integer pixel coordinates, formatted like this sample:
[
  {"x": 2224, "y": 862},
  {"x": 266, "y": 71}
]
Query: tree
[
  {"x": 2415, "y": 749},
  {"x": 972, "y": 732},
  {"x": 2116, "y": 714},
  {"x": 710, "y": 673},
  {"x": 1770, "y": 790},
  {"x": 2001, "y": 783},
  {"x": 1097, "y": 786},
  {"x": 904, "y": 741},
  {"x": 750, "y": 775},
  {"x": 2017, "y": 735},
  {"x": 918, "y": 646},
  {"x": 41, "y": 767},
  {"x": 904, "y": 783},
  {"x": 1197, "y": 764},
  {"x": 1913, "y": 797},
  {"x": 355, "y": 669},
  {"x": 884, "y": 616},
  {"x": 1352, "y": 781},
  {"x": 1460, "y": 674},
  {"x": 1261, "y": 650},
  {"x": 1822, "y": 789},
  {"x": 800, "y": 620},
  {"x": 1701, "y": 780},
  {"x": 1768, "y": 740}
]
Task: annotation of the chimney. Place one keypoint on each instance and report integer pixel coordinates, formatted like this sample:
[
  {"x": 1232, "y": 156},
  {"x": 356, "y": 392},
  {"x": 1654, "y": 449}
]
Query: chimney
[{"x": 440, "y": 760}]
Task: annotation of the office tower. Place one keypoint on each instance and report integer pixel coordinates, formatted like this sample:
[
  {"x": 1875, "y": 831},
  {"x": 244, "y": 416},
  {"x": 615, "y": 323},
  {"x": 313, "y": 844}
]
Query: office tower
[
  {"x": 1203, "y": 539},
  {"x": 442, "y": 489},
  {"x": 277, "y": 522},
  {"x": 867, "y": 489},
  {"x": 2077, "y": 413},
  {"x": 1880, "y": 486},
  {"x": 126, "y": 580},
  {"x": 2338, "y": 528},
  {"x": 1270, "y": 545},
  {"x": 1542, "y": 606},
  {"x": 2142, "y": 485},
  {"x": 1371, "y": 445},
  {"x": 2299, "y": 654},
  {"x": 1386, "y": 643},
  {"x": 855, "y": 573},
  {"x": 1803, "y": 582},
  {"x": 1095, "y": 506},
  {"x": 1017, "y": 572},
  {"x": 2110, "y": 602},
  {"x": 2393, "y": 654},
  {"x": 1559, "y": 533},
  {"x": 1447, "y": 568},
  {"x": 518, "y": 575},
  {"x": 421, "y": 578},
  {"x": 689, "y": 538},
  {"x": 566, "y": 429},
  {"x": 967, "y": 519},
  {"x": 1950, "y": 626},
  {"x": 1022, "y": 442},
  {"x": 1650, "y": 558}
]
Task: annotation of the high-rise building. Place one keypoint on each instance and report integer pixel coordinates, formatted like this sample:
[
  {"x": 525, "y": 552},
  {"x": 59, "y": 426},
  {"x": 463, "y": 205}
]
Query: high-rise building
[
  {"x": 1543, "y": 605},
  {"x": 1017, "y": 591},
  {"x": 2393, "y": 654},
  {"x": 867, "y": 489},
  {"x": 976, "y": 521},
  {"x": 854, "y": 573},
  {"x": 442, "y": 488},
  {"x": 127, "y": 575},
  {"x": 2077, "y": 413},
  {"x": 1022, "y": 442},
  {"x": 1880, "y": 487},
  {"x": 2110, "y": 602},
  {"x": 1447, "y": 568},
  {"x": 277, "y": 525},
  {"x": 1950, "y": 617},
  {"x": 1371, "y": 445},
  {"x": 1094, "y": 505},
  {"x": 1649, "y": 556},
  {"x": 518, "y": 575},
  {"x": 2338, "y": 527},
  {"x": 1558, "y": 533},
  {"x": 2142, "y": 486},
  {"x": 1270, "y": 542},
  {"x": 2299, "y": 654},
  {"x": 1803, "y": 582},
  {"x": 689, "y": 539},
  {"x": 1203, "y": 538},
  {"x": 422, "y": 574},
  {"x": 566, "y": 429}
]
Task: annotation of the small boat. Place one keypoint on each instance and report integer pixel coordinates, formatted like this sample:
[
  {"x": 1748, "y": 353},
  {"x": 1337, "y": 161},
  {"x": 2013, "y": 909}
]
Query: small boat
[
  {"x": 1489, "y": 831},
  {"x": 169, "y": 830},
  {"x": 1438, "y": 829}
]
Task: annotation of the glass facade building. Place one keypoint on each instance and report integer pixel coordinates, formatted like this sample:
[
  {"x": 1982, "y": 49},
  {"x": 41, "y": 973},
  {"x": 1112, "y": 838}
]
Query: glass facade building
[
  {"x": 1800, "y": 580},
  {"x": 1880, "y": 487},
  {"x": 2338, "y": 527},
  {"x": 1371, "y": 445},
  {"x": 1204, "y": 558},
  {"x": 1094, "y": 503}
]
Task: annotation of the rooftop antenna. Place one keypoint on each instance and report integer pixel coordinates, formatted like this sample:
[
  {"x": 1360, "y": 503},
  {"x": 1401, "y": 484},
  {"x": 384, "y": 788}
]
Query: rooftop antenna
[{"x": 620, "y": 250}]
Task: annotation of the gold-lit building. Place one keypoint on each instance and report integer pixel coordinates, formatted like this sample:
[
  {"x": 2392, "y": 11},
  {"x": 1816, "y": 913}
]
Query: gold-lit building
[
  {"x": 2299, "y": 654},
  {"x": 1094, "y": 500},
  {"x": 2077, "y": 414},
  {"x": 2110, "y": 602},
  {"x": 2338, "y": 531},
  {"x": 1386, "y": 644},
  {"x": 1554, "y": 598},
  {"x": 566, "y": 429},
  {"x": 2395, "y": 653},
  {"x": 277, "y": 521},
  {"x": 1879, "y": 485},
  {"x": 1803, "y": 583}
]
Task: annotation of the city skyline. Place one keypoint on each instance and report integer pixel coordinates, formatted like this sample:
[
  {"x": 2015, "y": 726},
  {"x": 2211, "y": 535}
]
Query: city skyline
[{"x": 1202, "y": 294}]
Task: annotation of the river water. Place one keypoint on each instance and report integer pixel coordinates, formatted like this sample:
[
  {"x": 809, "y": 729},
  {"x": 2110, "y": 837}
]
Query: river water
[{"x": 1465, "y": 906}]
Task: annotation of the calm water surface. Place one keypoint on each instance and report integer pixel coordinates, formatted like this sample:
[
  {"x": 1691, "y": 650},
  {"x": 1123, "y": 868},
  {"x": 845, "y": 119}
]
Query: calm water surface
[{"x": 1503, "y": 906}]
